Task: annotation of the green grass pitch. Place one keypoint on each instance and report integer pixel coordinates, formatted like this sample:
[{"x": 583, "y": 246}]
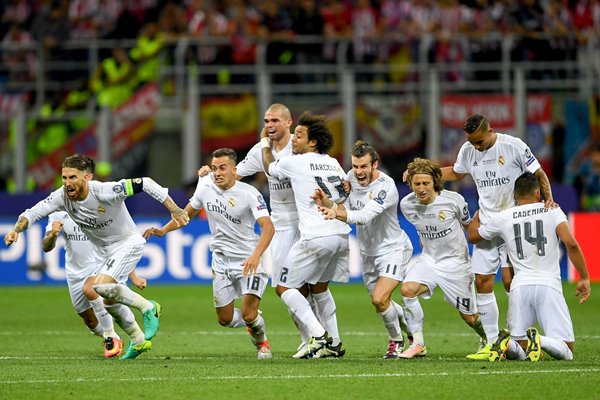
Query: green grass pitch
[{"x": 47, "y": 353}]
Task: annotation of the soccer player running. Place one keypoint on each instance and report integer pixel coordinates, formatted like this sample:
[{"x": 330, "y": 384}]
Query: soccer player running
[
  {"x": 321, "y": 253},
  {"x": 278, "y": 121},
  {"x": 385, "y": 249},
  {"x": 98, "y": 208},
  {"x": 232, "y": 209},
  {"x": 494, "y": 161},
  {"x": 532, "y": 233},
  {"x": 82, "y": 263},
  {"x": 439, "y": 216}
]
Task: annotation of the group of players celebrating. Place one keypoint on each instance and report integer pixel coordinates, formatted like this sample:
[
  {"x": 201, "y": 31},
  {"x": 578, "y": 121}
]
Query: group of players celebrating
[{"x": 312, "y": 202}]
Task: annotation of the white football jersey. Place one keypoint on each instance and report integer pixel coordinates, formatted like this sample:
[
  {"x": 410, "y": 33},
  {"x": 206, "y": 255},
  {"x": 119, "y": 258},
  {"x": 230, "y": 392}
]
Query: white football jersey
[
  {"x": 440, "y": 228},
  {"x": 283, "y": 208},
  {"x": 232, "y": 214},
  {"x": 529, "y": 232},
  {"x": 102, "y": 215},
  {"x": 81, "y": 258},
  {"x": 495, "y": 171},
  {"x": 307, "y": 172},
  {"x": 374, "y": 210}
]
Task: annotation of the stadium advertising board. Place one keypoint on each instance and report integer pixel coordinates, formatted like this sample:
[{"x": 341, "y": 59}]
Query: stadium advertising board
[{"x": 181, "y": 256}]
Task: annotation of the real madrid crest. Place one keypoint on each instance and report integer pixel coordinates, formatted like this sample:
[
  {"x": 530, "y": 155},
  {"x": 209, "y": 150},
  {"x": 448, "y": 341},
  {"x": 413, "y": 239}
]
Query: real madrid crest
[
  {"x": 442, "y": 216},
  {"x": 370, "y": 195},
  {"x": 501, "y": 160},
  {"x": 101, "y": 210},
  {"x": 232, "y": 202}
]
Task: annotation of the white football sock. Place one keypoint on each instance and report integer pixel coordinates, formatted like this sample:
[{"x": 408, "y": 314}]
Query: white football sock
[
  {"x": 391, "y": 323},
  {"x": 556, "y": 348},
  {"x": 414, "y": 318},
  {"x": 258, "y": 329},
  {"x": 488, "y": 313},
  {"x": 326, "y": 307},
  {"x": 104, "y": 318},
  {"x": 401, "y": 318},
  {"x": 298, "y": 305},
  {"x": 237, "y": 321},
  {"x": 515, "y": 351},
  {"x": 122, "y": 294},
  {"x": 98, "y": 331},
  {"x": 126, "y": 320}
]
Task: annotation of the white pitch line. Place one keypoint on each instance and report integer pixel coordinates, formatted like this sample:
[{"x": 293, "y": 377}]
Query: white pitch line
[
  {"x": 299, "y": 377},
  {"x": 240, "y": 332}
]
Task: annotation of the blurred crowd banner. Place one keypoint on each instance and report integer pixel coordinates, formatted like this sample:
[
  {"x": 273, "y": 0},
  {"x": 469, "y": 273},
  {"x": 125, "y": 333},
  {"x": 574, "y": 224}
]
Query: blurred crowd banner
[
  {"x": 183, "y": 256},
  {"x": 229, "y": 122},
  {"x": 131, "y": 123},
  {"x": 500, "y": 112}
]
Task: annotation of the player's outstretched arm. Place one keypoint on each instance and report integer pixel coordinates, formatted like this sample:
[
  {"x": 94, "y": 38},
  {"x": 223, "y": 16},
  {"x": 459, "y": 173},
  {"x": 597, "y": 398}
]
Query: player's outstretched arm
[
  {"x": 267, "y": 230},
  {"x": 576, "y": 256},
  {"x": 267, "y": 155},
  {"x": 448, "y": 174},
  {"x": 49, "y": 240},
  {"x": 13, "y": 235},
  {"x": 172, "y": 225}
]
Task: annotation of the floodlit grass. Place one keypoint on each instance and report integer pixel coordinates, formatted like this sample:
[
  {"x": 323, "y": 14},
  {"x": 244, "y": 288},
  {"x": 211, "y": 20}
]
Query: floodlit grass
[{"x": 46, "y": 352}]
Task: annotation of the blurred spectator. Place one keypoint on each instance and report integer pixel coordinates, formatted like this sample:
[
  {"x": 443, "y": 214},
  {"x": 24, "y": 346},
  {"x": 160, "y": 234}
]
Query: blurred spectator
[
  {"x": 528, "y": 24},
  {"x": 171, "y": 21},
  {"x": 450, "y": 47},
  {"x": 486, "y": 18},
  {"x": 20, "y": 62},
  {"x": 15, "y": 12},
  {"x": 112, "y": 79},
  {"x": 307, "y": 20},
  {"x": 244, "y": 23},
  {"x": 145, "y": 54},
  {"x": 81, "y": 18},
  {"x": 587, "y": 183},
  {"x": 78, "y": 100},
  {"x": 51, "y": 27},
  {"x": 583, "y": 20},
  {"x": 337, "y": 19},
  {"x": 276, "y": 24},
  {"x": 106, "y": 16},
  {"x": 366, "y": 28}
]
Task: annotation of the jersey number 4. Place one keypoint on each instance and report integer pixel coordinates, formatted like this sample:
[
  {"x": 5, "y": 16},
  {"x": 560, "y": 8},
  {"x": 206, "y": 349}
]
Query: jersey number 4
[{"x": 539, "y": 240}]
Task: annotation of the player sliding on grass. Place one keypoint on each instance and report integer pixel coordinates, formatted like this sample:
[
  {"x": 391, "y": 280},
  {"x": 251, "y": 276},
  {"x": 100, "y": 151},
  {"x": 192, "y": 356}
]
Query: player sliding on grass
[
  {"x": 532, "y": 233},
  {"x": 98, "y": 208},
  {"x": 232, "y": 209},
  {"x": 385, "y": 249},
  {"x": 439, "y": 216}
]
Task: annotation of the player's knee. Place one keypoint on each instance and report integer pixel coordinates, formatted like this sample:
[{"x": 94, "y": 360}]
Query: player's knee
[
  {"x": 408, "y": 291},
  {"x": 107, "y": 290},
  {"x": 223, "y": 320},
  {"x": 380, "y": 302},
  {"x": 484, "y": 283}
]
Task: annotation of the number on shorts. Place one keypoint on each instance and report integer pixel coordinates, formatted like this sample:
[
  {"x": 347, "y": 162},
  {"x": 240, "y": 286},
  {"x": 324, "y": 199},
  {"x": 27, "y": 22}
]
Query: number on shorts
[
  {"x": 387, "y": 270},
  {"x": 255, "y": 283},
  {"x": 539, "y": 240},
  {"x": 333, "y": 180},
  {"x": 464, "y": 301},
  {"x": 283, "y": 276}
]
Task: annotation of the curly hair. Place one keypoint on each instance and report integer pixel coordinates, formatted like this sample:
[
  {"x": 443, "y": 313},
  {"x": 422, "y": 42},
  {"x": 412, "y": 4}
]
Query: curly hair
[{"x": 318, "y": 130}]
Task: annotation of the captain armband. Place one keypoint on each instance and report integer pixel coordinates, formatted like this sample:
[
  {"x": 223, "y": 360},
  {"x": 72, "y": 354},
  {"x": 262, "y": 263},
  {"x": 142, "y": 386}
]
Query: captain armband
[{"x": 133, "y": 186}]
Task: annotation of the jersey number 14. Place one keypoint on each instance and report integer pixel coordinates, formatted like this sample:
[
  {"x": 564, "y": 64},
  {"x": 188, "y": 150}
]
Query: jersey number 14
[{"x": 539, "y": 240}]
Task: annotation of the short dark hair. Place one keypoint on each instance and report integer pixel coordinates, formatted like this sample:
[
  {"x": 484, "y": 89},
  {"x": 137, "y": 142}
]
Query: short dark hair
[
  {"x": 80, "y": 162},
  {"x": 226, "y": 152},
  {"x": 526, "y": 185},
  {"x": 317, "y": 130},
  {"x": 476, "y": 123},
  {"x": 362, "y": 148}
]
